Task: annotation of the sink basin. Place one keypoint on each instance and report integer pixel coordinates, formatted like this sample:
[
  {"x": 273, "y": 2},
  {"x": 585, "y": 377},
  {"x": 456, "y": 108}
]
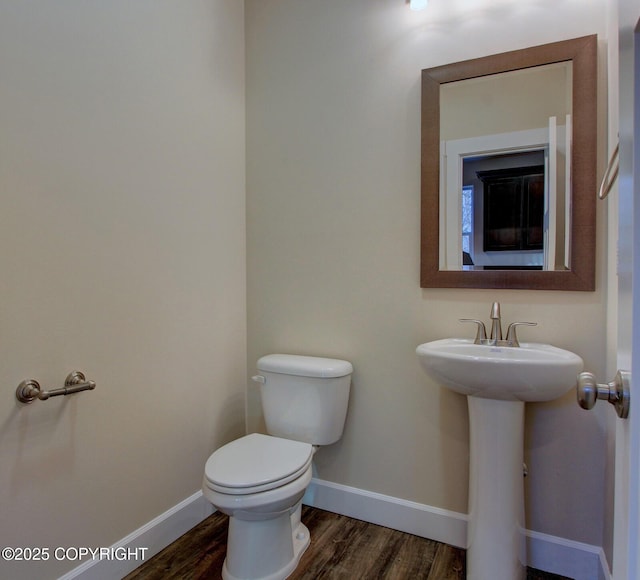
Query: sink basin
[{"x": 530, "y": 372}]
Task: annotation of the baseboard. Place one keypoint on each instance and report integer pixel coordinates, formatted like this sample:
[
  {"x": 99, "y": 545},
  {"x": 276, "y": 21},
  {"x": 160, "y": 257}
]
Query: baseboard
[
  {"x": 566, "y": 557},
  {"x": 421, "y": 520},
  {"x": 545, "y": 552},
  {"x": 154, "y": 536}
]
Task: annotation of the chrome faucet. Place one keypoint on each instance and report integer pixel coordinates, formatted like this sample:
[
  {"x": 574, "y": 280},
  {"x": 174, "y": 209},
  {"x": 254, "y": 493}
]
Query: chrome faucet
[
  {"x": 496, "y": 324},
  {"x": 495, "y": 337}
]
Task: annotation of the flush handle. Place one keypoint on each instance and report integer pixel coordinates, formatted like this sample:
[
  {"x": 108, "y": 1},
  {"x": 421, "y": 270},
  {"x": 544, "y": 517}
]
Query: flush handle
[{"x": 617, "y": 392}]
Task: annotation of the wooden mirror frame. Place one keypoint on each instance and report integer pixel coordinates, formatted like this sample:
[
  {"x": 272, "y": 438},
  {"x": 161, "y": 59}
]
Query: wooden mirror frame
[{"x": 581, "y": 273}]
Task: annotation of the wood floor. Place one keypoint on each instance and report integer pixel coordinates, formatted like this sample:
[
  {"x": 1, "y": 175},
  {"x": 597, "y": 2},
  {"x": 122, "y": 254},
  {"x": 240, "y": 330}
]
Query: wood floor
[{"x": 341, "y": 548}]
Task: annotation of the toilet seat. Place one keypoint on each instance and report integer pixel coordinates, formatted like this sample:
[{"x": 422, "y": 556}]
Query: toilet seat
[{"x": 256, "y": 463}]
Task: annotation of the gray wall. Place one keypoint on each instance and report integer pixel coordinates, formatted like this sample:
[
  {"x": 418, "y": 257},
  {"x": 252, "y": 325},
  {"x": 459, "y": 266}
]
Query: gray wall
[
  {"x": 122, "y": 251},
  {"x": 333, "y": 198}
]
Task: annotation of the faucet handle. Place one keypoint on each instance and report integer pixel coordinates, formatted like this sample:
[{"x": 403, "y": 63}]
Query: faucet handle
[
  {"x": 512, "y": 338},
  {"x": 481, "y": 333}
]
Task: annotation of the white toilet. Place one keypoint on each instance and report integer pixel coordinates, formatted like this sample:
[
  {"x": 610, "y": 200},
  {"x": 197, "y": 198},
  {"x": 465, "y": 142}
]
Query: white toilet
[{"x": 259, "y": 480}]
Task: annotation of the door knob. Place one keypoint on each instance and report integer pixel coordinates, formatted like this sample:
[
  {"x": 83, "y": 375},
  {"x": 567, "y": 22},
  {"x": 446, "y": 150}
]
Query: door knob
[{"x": 616, "y": 392}]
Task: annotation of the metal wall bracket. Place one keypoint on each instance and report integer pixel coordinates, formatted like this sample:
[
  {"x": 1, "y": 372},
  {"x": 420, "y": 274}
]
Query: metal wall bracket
[{"x": 29, "y": 390}]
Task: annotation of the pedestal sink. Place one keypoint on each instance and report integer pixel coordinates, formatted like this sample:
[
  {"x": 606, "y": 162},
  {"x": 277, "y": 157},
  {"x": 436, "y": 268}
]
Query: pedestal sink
[{"x": 498, "y": 380}]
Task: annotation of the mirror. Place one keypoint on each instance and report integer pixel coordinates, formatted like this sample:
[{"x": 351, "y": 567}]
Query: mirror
[{"x": 508, "y": 170}]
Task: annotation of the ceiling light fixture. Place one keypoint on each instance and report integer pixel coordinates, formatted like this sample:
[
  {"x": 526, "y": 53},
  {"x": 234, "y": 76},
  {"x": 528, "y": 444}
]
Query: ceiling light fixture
[{"x": 418, "y": 4}]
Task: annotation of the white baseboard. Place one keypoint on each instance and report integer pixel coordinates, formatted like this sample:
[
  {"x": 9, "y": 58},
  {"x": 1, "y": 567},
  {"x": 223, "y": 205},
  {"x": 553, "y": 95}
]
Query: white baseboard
[
  {"x": 414, "y": 518},
  {"x": 154, "y": 536},
  {"x": 566, "y": 557},
  {"x": 549, "y": 553},
  {"x": 545, "y": 552}
]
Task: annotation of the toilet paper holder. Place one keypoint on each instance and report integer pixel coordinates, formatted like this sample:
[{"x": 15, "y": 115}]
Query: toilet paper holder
[{"x": 29, "y": 390}]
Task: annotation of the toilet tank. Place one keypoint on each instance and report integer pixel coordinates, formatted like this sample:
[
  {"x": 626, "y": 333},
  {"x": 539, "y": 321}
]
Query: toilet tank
[{"x": 304, "y": 398}]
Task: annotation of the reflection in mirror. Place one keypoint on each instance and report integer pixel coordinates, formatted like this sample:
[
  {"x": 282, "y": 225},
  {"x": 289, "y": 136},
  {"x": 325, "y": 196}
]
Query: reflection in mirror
[
  {"x": 503, "y": 212},
  {"x": 508, "y": 170},
  {"x": 523, "y": 107}
]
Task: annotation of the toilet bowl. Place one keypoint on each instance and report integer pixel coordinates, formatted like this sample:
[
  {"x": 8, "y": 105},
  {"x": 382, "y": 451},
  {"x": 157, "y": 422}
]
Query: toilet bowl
[{"x": 259, "y": 480}]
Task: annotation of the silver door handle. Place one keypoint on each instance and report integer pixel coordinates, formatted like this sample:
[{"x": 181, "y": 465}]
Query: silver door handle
[{"x": 617, "y": 392}]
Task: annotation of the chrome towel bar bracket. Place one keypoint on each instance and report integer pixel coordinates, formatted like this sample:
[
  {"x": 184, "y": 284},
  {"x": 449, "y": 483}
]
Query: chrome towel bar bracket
[{"x": 29, "y": 390}]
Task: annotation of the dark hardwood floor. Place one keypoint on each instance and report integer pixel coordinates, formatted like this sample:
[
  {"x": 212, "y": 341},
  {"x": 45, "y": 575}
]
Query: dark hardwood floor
[{"x": 341, "y": 548}]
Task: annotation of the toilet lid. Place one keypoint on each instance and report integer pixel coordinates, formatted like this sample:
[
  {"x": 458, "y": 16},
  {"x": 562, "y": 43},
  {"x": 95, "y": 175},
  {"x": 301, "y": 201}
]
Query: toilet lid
[{"x": 256, "y": 463}]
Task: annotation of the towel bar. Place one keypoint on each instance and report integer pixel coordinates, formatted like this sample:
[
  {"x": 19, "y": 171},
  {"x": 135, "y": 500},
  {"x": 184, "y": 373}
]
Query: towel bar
[
  {"x": 29, "y": 390},
  {"x": 610, "y": 174}
]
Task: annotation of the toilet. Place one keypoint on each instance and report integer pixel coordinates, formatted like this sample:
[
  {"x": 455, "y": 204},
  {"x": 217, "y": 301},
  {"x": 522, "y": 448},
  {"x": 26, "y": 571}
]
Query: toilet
[{"x": 259, "y": 480}]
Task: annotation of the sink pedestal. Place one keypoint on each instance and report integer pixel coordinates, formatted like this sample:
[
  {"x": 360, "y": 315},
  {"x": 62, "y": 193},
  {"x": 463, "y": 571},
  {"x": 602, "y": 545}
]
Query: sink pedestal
[
  {"x": 498, "y": 380},
  {"x": 495, "y": 537}
]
